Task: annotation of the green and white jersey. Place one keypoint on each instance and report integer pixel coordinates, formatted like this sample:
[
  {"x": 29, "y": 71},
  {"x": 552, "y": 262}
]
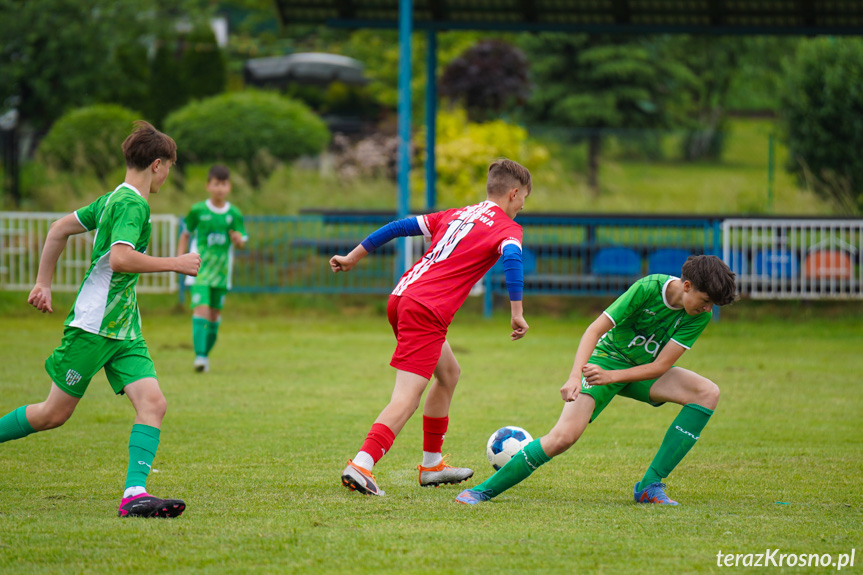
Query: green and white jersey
[
  {"x": 644, "y": 322},
  {"x": 209, "y": 227},
  {"x": 106, "y": 303}
]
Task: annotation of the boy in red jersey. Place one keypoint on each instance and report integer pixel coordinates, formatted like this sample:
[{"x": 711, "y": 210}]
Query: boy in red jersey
[{"x": 465, "y": 244}]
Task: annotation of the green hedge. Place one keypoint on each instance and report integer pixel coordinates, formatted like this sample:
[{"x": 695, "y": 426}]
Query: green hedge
[
  {"x": 89, "y": 140},
  {"x": 249, "y": 128}
]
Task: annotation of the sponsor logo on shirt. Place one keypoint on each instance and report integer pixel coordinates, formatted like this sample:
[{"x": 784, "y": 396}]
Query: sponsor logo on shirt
[
  {"x": 650, "y": 346},
  {"x": 216, "y": 239},
  {"x": 649, "y": 311}
]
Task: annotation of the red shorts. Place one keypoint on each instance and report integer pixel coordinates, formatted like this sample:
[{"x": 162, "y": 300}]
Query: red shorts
[{"x": 420, "y": 335}]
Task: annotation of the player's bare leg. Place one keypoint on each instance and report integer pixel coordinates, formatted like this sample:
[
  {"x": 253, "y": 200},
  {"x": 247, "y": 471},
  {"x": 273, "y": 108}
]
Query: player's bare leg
[
  {"x": 570, "y": 425},
  {"x": 434, "y": 471},
  {"x": 699, "y": 397},
  {"x": 53, "y": 412}
]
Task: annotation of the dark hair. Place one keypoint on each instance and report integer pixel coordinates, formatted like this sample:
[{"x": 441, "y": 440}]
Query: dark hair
[
  {"x": 504, "y": 175},
  {"x": 710, "y": 275},
  {"x": 219, "y": 172},
  {"x": 146, "y": 144}
]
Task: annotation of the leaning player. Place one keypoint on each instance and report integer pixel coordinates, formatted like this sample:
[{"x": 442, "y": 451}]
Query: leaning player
[
  {"x": 103, "y": 329},
  {"x": 630, "y": 350},
  {"x": 216, "y": 227},
  {"x": 465, "y": 244}
]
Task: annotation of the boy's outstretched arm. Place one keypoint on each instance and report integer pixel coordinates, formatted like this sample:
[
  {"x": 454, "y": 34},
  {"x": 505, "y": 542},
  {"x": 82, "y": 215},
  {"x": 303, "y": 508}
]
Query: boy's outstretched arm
[
  {"x": 396, "y": 229},
  {"x": 124, "y": 259},
  {"x": 591, "y": 336},
  {"x": 55, "y": 243}
]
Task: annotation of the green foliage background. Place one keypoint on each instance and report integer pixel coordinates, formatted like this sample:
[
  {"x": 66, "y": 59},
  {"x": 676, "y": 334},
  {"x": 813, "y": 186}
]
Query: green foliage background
[
  {"x": 89, "y": 140},
  {"x": 247, "y": 128},
  {"x": 822, "y": 109}
]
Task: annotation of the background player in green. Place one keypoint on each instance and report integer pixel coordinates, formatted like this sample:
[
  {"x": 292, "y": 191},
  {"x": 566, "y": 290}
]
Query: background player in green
[
  {"x": 103, "y": 329},
  {"x": 215, "y": 227},
  {"x": 631, "y": 349}
]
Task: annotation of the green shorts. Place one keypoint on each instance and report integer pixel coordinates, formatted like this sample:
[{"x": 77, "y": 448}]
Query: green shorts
[
  {"x": 211, "y": 297},
  {"x": 603, "y": 394},
  {"x": 82, "y": 354}
]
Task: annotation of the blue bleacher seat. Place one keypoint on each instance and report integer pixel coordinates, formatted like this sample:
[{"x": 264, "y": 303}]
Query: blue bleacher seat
[
  {"x": 616, "y": 261},
  {"x": 776, "y": 264},
  {"x": 666, "y": 261}
]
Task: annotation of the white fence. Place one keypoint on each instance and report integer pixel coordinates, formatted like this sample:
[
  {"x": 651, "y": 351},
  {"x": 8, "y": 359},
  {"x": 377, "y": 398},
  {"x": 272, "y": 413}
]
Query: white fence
[
  {"x": 795, "y": 259},
  {"x": 22, "y": 235}
]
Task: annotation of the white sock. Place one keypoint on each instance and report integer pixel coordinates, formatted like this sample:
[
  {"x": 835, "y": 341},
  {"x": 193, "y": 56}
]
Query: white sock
[
  {"x": 133, "y": 491},
  {"x": 431, "y": 459},
  {"x": 364, "y": 460}
]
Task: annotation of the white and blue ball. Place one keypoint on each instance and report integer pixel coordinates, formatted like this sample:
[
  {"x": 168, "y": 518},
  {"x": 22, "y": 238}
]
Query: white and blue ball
[{"x": 504, "y": 443}]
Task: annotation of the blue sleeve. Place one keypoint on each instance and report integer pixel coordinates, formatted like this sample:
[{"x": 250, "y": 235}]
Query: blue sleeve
[
  {"x": 396, "y": 229},
  {"x": 513, "y": 271}
]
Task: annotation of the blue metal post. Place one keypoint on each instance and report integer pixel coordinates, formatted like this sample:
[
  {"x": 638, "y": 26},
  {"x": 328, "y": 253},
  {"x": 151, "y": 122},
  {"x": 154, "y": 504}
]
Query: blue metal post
[
  {"x": 404, "y": 160},
  {"x": 431, "y": 118}
]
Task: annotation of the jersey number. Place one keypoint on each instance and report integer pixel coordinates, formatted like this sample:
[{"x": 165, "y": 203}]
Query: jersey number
[{"x": 456, "y": 231}]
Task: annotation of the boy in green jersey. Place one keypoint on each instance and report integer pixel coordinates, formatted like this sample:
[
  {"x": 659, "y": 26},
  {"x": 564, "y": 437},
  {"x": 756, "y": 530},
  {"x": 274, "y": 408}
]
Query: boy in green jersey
[
  {"x": 103, "y": 329},
  {"x": 215, "y": 227},
  {"x": 630, "y": 350}
]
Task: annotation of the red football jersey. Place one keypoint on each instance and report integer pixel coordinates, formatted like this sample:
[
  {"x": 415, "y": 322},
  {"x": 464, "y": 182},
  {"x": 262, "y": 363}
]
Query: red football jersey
[{"x": 465, "y": 244}]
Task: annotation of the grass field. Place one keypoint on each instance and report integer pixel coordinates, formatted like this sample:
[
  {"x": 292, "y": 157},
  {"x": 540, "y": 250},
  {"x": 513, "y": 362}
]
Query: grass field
[{"x": 256, "y": 448}]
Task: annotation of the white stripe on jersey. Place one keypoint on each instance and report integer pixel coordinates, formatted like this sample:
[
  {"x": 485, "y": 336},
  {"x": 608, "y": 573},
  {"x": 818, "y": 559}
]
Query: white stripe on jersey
[
  {"x": 421, "y": 220},
  {"x": 613, "y": 323},
  {"x": 468, "y": 215},
  {"x": 93, "y": 297},
  {"x": 507, "y": 242}
]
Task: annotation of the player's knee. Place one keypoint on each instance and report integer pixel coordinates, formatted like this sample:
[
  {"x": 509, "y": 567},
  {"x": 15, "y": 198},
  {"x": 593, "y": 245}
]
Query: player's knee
[
  {"x": 49, "y": 418},
  {"x": 449, "y": 377},
  {"x": 559, "y": 440},
  {"x": 709, "y": 394}
]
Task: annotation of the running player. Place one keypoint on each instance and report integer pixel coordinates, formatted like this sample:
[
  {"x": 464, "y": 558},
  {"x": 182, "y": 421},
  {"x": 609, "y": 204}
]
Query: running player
[
  {"x": 103, "y": 329},
  {"x": 465, "y": 244},
  {"x": 216, "y": 227},
  {"x": 630, "y": 350}
]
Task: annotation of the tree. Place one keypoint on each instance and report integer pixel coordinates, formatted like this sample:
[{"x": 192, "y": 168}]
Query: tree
[
  {"x": 57, "y": 55},
  {"x": 595, "y": 83},
  {"x": 822, "y": 113},
  {"x": 487, "y": 78}
]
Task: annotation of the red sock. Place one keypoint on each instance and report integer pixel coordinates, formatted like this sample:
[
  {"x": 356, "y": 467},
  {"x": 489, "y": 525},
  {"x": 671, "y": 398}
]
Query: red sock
[
  {"x": 434, "y": 430},
  {"x": 378, "y": 441}
]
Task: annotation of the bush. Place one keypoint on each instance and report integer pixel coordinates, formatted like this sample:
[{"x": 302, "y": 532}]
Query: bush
[
  {"x": 255, "y": 129},
  {"x": 464, "y": 151},
  {"x": 89, "y": 140}
]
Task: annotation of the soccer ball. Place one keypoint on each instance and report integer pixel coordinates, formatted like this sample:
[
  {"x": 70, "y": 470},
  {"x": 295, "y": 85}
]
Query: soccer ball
[{"x": 504, "y": 443}]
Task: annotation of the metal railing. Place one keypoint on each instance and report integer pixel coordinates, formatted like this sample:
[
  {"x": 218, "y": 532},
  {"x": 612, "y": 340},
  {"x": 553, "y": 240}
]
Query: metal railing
[
  {"x": 795, "y": 258},
  {"x": 22, "y": 236},
  {"x": 563, "y": 254}
]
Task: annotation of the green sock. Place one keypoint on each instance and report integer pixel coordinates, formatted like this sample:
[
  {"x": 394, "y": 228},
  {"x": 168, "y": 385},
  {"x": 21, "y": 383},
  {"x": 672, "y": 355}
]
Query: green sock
[
  {"x": 516, "y": 470},
  {"x": 679, "y": 439},
  {"x": 212, "y": 334},
  {"x": 14, "y": 425},
  {"x": 143, "y": 443},
  {"x": 199, "y": 335}
]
